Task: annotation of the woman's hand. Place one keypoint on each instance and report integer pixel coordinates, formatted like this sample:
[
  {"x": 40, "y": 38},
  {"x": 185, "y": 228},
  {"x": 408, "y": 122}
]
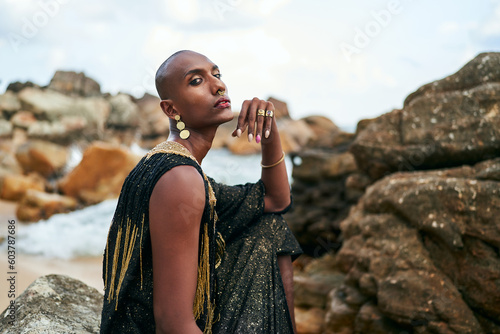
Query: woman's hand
[{"x": 258, "y": 116}]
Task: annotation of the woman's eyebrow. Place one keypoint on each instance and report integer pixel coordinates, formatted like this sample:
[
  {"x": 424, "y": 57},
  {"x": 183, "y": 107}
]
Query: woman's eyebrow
[{"x": 199, "y": 70}]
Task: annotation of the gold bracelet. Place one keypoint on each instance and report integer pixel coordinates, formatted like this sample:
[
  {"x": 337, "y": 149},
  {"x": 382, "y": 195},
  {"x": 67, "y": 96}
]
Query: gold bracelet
[{"x": 274, "y": 164}]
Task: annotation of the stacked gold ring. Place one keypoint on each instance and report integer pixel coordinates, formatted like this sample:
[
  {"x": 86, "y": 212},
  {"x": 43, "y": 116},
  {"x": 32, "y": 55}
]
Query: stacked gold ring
[
  {"x": 261, "y": 112},
  {"x": 269, "y": 113}
]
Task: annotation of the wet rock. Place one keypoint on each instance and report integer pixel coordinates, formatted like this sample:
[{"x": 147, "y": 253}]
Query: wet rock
[
  {"x": 446, "y": 123},
  {"x": 54, "y": 304},
  {"x": 73, "y": 83},
  {"x": 422, "y": 249},
  {"x": 42, "y": 157},
  {"x": 37, "y": 205},
  {"x": 100, "y": 174}
]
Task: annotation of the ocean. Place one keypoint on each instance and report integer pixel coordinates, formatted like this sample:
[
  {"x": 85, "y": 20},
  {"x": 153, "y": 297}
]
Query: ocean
[{"x": 83, "y": 232}]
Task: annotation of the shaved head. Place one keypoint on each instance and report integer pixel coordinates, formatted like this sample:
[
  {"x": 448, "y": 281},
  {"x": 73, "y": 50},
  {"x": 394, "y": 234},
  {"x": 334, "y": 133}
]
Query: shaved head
[{"x": 163, "y": 75}]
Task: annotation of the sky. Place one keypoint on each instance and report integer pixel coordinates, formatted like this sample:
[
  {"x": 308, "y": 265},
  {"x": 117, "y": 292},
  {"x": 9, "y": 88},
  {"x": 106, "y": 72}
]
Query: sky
[{"x": 343, "y": 60}]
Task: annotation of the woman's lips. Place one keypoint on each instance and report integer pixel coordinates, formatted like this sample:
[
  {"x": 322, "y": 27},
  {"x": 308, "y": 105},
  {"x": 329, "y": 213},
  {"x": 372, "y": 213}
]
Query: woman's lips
[{"x": 222, "y": 103}]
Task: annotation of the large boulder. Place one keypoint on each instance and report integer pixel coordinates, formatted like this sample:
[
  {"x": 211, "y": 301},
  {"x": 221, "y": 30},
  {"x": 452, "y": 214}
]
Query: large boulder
[
  {"x": 445, "y": 123},
  {"x": 54, "y": 304},
  {"x": 421, "y": 255},
  {"x": 100, "y": 174},
  {"x": 43, "y": 157},
  {"x": 73, "y": 83},
  {"x": 9, "y": 103}
]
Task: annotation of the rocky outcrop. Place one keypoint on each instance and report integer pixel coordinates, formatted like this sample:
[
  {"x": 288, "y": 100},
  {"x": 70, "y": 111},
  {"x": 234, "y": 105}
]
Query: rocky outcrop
[
  {"x": 73, "y": 83},
  {"x": 153, "y": 123},
  {"x": 321, "y": 195},
  {"x": 421, "y": 254},
  {"x": 54, "y": 304},
  {"x": 124, "y": 113},
  {"x": 100, "y": 174},
  {"x": 448, "y": 122}
]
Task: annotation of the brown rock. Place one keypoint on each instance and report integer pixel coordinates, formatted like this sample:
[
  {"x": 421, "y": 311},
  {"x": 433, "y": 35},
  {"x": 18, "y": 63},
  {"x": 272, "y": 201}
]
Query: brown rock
[
  {"x": 317, "y": 165},
  {"x": 42, "y": 157},
  {"x": 14, "y": 186},
  {"x": 422, "y": 248},
  {"x": 5, "y": 128},
  {"x": 280, "y": 108},
  {"x": 100, "y": 174},
  {"x": 73, "y": 83},
  {"x": 449, "y": 122},
  {"x": 241, "y": 146},
  {"x": 294, "y": 134},
  {"x": 309, "y": 321},
  {"x": 37, "y": 205}
]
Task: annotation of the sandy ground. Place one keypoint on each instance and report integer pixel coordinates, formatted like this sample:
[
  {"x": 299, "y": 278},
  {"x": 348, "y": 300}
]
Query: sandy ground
[{"x": 30, "y": 267}]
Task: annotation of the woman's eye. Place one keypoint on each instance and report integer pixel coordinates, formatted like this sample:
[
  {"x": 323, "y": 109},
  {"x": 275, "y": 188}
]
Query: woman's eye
[{"x": 195, "y": 82}]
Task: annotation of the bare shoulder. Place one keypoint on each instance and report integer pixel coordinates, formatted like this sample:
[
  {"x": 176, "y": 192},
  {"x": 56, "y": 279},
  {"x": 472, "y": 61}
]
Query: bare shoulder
[{"x": 179, "y": 194}]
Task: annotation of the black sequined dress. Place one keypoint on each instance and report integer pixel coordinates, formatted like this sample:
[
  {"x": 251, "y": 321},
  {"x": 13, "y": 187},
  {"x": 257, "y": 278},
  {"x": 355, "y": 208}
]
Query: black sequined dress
[{"x": 242, "y": 292}]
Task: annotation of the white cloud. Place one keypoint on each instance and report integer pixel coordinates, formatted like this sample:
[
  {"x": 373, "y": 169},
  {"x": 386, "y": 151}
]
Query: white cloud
[{"x": 449, "y": 27}]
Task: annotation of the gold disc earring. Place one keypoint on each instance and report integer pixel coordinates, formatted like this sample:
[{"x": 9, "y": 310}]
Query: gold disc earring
[{"x": 184, "y": 133}]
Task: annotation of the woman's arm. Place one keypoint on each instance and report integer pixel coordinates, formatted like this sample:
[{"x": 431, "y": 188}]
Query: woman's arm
[
  {"x": 175, "y": 211},
  {"x": 264, "y": 129}
]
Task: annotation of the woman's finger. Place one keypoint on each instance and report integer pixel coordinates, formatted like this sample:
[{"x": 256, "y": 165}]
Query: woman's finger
[
  {"x": 261, "y": 113},
  {"x": 241, "y": 126},
  {"x": 268, "y": 119},
  {"x": 251, "y": 116}
]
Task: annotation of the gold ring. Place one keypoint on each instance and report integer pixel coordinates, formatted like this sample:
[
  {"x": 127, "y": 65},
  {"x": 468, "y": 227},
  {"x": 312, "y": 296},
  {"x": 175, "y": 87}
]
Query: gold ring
[
  {"x": 261, "y": 112},
  {"x": 269, "y": 113},
  {"x": 221, "y": 92}
]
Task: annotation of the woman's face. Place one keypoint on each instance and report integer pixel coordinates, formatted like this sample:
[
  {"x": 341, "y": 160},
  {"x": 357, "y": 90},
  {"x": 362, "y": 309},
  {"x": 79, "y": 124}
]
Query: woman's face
[{"x": 194, "y": 91}]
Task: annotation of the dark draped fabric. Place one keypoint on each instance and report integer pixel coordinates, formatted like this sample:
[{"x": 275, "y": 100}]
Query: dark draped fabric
[{"x": 245, "y": 287}]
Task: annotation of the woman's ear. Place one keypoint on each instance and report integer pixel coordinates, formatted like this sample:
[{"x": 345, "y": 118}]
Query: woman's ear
[{"x": 168, "y": 108}]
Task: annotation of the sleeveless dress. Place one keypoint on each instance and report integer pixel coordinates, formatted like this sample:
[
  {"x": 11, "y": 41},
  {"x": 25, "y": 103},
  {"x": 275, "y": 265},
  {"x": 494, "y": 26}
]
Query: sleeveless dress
[{"x": 239, "y": 286}]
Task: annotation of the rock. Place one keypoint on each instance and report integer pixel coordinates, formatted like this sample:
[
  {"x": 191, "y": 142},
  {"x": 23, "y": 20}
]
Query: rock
[
  {"x": 309, "y": 321},
  {"x": 8, "y": 163},
  {"x": 124, "y": 113},
  {"x": 42, "y": 157},
  {"x": 317, "y": 165},
  {"x": 321, "y": 200},
  {"x": 152, "y": 121},
  {"x": 294, "y": 134},
  {"x": 17, "y": 86},
  {"x": 100, "y": 174},
  {"x": 14, "y": 186},
  {"x": 23, "y": 119},
  {"x": 241, "y": 146},
  {"x": 312, "y": 285},
  {"x": 73, "y": 83},
  {"x": 9, "y": 103},
  {"x": 37, "y": 205},
  {"x": 448, "y": 122},
  {"x": 55, "y": 304},
  {"x": 5, "y": 128},
  {"x": 280, "y": 108},
  {"x": 64, "y": 118},
  {"x": 422, "y": 249}
]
